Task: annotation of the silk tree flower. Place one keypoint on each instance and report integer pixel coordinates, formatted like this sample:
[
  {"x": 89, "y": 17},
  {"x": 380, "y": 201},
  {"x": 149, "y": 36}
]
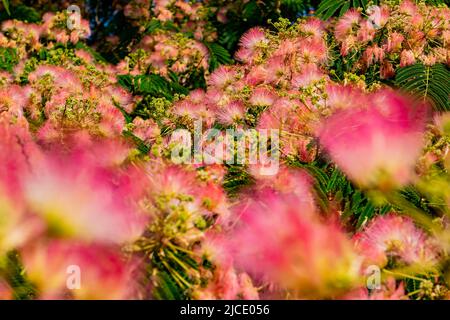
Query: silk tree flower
[
  {"x": 222, "y": 77},
  {"x": 71, "y": 191},
  {"x": 407, "y": 58},
  {"x": 146, "y": 130},
  {"x": 346, "y": 24},
  {"x": 232, "y": 113},
  {"x": 282, "y": 241},
  {"x": 249, "y": 44},
  {"x": 262, "y": 96},
  {"x": 66, "y": 269},
  {"x": 253, "y": 38},
  {"x": 396, "y": 239},
  {"x": 344, "y": 96},
  {"x": 376, "y": 144},
  {"x": 309, "y": 74}
]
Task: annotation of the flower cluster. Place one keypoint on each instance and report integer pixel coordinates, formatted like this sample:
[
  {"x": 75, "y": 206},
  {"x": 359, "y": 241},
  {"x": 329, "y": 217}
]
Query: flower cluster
[{"x": 393, "y": 36}]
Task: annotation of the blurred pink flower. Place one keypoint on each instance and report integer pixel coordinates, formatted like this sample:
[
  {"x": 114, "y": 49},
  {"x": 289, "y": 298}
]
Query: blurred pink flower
[
  {"x": 71, "y": 191},
  {"x": 389, "y": 291},
  {"x": 103, "y": 272},
  {"x": 376, "y": 141},
  {"x": 281, "y": 239},
  {"x": 395, "y": 238}
]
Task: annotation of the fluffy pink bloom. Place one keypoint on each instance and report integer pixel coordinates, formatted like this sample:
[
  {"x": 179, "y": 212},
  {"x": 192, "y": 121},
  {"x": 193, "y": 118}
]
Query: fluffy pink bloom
[
  {"x": 394, "y": 42},
  {"x": 310, "y": 73},
  {"x": 146, "y": 130},
  {"x": 287, "y": 181},
  {"x": 376, "y": 142},
  {"x": 407, "y": 58},
  {"x": 252, "y": 38},
  {"x": 312, "y": 50},
  {"x": 408, "y": 7},
  {"x": 282, "y": 240},
  {"x": 346, "y": 23},
  {"x": 276, "y": 69},
  {"x": 231, "y": 113},
  {"x": 348, "y": 44},
  {"x": 222, "y": 77},
  {"x": 314, "y": 27},
  {"x": 379, "y": 17},
  {"x": 121, "y": 97},
  {"x": 344, "y": 96},
  {"x": 62, "y": 78},
  {"x": 103, "y": 272},
  {"x": 366, "y": 32},
  {"x": 395, "y": 238},
  {"x": 373, "y": 54},
  {"x": 262, "y": 97}
]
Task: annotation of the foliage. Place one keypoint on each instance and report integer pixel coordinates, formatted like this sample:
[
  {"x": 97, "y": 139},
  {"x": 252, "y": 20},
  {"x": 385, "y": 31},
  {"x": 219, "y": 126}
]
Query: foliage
[{"x": 427, "y": 82}]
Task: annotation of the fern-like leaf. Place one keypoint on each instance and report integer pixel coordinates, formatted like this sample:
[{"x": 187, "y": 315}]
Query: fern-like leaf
[
  {"x": 427, "y": 82},
  {"x": 330, "y": 8},
  {"x": 218, "y": 56},
  {"x": 151, "y": 84}
]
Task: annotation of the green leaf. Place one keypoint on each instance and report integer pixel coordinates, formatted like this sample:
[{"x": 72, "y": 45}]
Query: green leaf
[
  {"x": 8, "y": 58},
  {"x": 152, "y": 85},
  {"x": 6, "y": 5},
  {"x": 329, "y": 8},
  {"x": 218, "y": 55},
  {"x": 426, "y": 82}
]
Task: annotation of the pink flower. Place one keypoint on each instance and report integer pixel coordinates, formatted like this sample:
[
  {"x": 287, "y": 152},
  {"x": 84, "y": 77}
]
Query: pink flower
[
  {"x": 276, "y": 69},
  {"x": 314, "y": 27},
  {"x": 262, "y": 97},
  {"x": 252, "y": 38},
  {"x": 64, "y": 269},
  {"x": 310, "y": 73},
  {"x": 395, "y": 238},
  {"x": 394, "y": 42},
  {"x": 282, "y": 240},
  {"x": 222, "y": 77},
  {"x": 377, "y": 141},
  {"x": 366, "y": 32},
  {"x": 344, "y": 96},
  {"x": 6, "y": 292},
  {"x": 407, "y": 58},
  {"x": 231, "y": 113},
  {"x": 373, "y": 54},
  {"x": 346, "y": 23},
  {"x": 146, "y": 130}
]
